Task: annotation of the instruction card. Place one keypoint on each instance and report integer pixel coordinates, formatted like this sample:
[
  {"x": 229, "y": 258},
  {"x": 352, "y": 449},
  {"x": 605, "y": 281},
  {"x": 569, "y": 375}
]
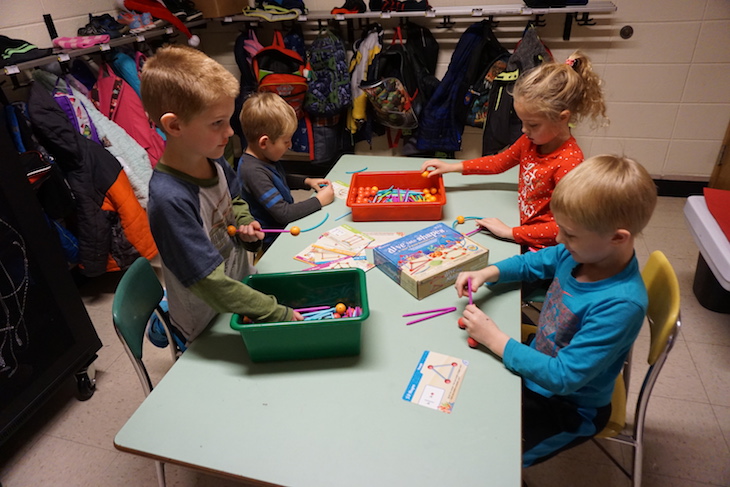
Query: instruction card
[{"x": 436, "y": 381}]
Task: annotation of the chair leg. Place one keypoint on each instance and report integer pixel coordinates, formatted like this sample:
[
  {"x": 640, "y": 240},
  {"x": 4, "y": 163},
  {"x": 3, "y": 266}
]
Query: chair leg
[
  {"x": 638, "y": 463},
  {"x": 160, "y": 467}
]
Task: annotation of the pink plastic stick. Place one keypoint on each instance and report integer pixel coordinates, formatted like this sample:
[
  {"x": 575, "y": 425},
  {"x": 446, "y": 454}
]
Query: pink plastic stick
[
  {"x": 471, "y": 301},
  {"x": 473, "y": 232},
  {"x": 312, "y": 308},
  {"x": 445, "y": 310},
  {"x": 273, "y": 230},
  {"x": 449, "y": 310}
]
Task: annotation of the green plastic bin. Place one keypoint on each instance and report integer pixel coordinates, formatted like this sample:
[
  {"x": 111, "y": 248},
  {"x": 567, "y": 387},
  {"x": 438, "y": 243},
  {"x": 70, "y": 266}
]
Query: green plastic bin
[{"x": 294, "y": 340}]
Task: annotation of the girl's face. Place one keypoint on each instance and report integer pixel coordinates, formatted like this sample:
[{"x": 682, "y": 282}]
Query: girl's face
[{"x": 542, "y": 131}]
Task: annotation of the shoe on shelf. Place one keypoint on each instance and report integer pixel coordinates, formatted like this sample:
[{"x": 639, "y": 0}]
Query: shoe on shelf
[
  {"x": 133, "y": 21},
  {"x": 103, "y": 24},
  {"x": 183, "y": 9},
  {"x": 145, "y": 18},
  {"x": 350, "y": 7}
]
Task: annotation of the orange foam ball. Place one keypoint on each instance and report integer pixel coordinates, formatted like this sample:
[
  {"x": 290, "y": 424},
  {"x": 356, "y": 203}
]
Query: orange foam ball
[
  {"x": 295, "y": 231},
  {"x": 460, "y": 219},
  {"x": 425, "y": 174},
  {"x": 341, "y": 308},
  {"x": 231, "y": 230}
]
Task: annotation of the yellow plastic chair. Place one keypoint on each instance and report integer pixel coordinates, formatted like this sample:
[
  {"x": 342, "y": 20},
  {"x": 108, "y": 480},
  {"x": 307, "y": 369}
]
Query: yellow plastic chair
[
  {"x": 137, "y": 296},
  {"x": 664, "y": 322}
]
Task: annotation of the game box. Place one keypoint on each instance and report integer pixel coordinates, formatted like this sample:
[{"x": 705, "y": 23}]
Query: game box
[{"x": 429, "y": 260}]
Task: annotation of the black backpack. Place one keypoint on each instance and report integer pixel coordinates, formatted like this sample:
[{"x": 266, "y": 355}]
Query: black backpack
[
  {"x": 423, "y": 50},
  {"x": 503, "y": 127}
]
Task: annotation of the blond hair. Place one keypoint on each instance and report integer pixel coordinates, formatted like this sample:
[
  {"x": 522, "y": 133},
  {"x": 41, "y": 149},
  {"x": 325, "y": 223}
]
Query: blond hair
[
  {"x": 184, "y": 81},
  {"x": 553, "y": 87},
  {"x": 606, "y": 193},
  {"x": 265, "y": 113}
]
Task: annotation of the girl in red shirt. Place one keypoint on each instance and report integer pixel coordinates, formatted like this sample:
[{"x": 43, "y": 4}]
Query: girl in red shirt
[{"x": 549, "y": 100}]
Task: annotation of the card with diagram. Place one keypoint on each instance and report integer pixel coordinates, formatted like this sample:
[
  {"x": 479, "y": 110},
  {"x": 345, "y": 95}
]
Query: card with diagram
[{"x": 436, "y": 381}]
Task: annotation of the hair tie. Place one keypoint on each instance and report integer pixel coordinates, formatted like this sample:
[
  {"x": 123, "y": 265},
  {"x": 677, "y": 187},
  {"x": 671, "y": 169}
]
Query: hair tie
[{"x": 573, "y": 63}]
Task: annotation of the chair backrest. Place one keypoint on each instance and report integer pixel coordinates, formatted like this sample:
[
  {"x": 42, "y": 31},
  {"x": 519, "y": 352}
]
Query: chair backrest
[
  {"x": 137, "y": 296},
  {"x": 663, "y": 312},
  {"x": 664, "y": 323},
  {"x": 663, "y": 316}
]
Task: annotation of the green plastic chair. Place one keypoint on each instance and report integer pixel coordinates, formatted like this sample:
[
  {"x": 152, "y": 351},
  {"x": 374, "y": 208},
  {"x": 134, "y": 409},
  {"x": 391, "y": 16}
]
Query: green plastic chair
[{"x": 138, "y": 295}]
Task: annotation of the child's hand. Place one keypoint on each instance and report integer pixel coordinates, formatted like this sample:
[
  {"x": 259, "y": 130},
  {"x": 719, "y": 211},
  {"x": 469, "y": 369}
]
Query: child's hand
[
  {"x": 488, "y": 274},
  {"x": 497, "y": 227},
  {"x": 326, "y": 195},
  {"x": 462, "y": 283},
  {"x": 297, "y": 316},
  {"x": 317, "y": 184},
  {"x": 441, "y": 167},
  {"x": 251, "y": 232},
  {"x": 485, "y": 331}
]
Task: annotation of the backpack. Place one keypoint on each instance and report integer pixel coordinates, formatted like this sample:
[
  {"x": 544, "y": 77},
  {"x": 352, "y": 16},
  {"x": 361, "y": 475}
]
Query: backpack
[
  {"x": 392, "y": 87},
  {"x": 118, "y": 101},
  {"x": 246, "y": 46},
  {"x": 329, "y": 91},
  {"x": 424, "y": 51},
  {"x": 281, "y": 71},
  {"x": 442, "y": 122},
  {"x": 477, "y": 96},
  {"x": 502, "y": 126}
]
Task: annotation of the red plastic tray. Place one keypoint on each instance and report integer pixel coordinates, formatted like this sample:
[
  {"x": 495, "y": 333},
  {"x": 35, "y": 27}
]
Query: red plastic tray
[{"x": 362, "y": 212}]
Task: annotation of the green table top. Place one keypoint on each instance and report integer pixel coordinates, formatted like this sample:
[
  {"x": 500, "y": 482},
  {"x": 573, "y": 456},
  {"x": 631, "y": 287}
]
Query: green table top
[{"x": 343, "y": 421}]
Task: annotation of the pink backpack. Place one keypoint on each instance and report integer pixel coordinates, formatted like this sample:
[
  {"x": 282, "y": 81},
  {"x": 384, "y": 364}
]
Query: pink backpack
[{"x": 116, "y": 99}]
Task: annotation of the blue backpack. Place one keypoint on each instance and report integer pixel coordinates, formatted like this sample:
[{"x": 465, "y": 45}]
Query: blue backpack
[{"x": 329, "y": 93}]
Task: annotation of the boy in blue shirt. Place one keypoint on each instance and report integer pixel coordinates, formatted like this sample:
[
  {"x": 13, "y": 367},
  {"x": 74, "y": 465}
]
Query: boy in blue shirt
[
  {"x": 592, "y": 313},
  {"x": 195, "y": 195}
]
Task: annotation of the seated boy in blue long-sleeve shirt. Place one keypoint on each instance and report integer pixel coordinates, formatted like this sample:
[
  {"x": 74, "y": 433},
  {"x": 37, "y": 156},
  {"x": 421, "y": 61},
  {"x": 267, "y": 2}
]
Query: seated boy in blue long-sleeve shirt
[
  {"x": 593, "y": 311},
  {"x": 268, "y": 123}
]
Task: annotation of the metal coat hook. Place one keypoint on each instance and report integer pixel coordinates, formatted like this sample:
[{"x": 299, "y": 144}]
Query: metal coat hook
[
  {"x": 584, "y": 19},
  {"x": 580, "y": 19},
  {"x": 538, "y": 21},
  {"x": 493, "y": 24},
  {"x": 446, "y": 23},
  {"x": 16, "y": 83}
]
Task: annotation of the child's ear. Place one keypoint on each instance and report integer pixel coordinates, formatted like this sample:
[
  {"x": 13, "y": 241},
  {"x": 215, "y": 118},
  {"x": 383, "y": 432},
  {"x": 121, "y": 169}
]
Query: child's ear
[
  {"x": 263, "y": 140},
  {"x": 621, "y": 236},
  {"x": 564, "y": 116},
  {"x": 170, "y": 123}
]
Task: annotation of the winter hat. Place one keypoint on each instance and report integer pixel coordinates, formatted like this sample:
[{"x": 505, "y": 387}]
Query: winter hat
[
  {"x": 161, "y": 12},
  {"x": 14, "y": 51}
]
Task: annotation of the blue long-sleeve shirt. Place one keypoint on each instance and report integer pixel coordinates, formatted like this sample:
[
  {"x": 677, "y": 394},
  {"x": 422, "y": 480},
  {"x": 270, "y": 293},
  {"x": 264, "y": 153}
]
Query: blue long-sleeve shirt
[{"x": 584, "y": 332}]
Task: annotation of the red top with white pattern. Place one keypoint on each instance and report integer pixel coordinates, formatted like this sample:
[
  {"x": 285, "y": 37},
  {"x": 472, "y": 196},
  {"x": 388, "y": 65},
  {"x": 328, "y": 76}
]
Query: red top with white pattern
[{"x": 539, "y": 173}]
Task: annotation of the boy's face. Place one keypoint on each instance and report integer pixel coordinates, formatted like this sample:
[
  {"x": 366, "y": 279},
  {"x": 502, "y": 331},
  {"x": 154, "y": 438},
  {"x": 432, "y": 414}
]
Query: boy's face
[
  {"x": 585, "y": 246},
  {"x": 274, "y": 150},
  {"x": 207, "y": 133}
]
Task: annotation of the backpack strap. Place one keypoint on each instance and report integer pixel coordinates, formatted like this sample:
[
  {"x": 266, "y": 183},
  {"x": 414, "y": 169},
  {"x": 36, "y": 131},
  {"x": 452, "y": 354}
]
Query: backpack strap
[
  {"x": 139, "y": 60},
  {"x": 278, "y": 39},
  {"x": 397, "y": 36}
]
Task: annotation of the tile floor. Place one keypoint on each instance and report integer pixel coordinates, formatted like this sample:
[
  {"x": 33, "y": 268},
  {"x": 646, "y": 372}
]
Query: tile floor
[{"x": 69, "y": 443}]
